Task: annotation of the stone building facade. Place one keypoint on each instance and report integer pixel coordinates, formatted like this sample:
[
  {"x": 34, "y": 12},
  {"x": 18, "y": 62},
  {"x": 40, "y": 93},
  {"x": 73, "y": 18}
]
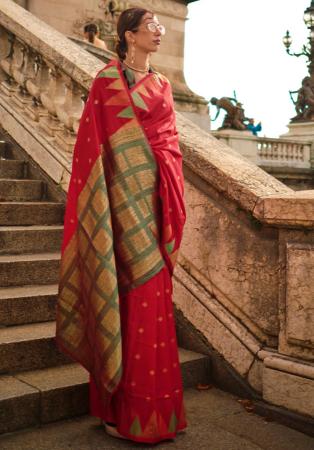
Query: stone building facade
[{"x": 70, "y": 16}]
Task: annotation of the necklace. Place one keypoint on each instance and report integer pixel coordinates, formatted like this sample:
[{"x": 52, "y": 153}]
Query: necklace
[{"x": 135, "y": 69}]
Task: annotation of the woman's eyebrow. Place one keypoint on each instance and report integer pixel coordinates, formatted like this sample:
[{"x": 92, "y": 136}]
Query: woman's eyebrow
[{"x": 152, "y": 18}]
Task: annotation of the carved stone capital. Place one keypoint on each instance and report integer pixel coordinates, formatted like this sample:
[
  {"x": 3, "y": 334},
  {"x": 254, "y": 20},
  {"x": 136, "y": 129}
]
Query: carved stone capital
[{"x": 165, "y": 7}]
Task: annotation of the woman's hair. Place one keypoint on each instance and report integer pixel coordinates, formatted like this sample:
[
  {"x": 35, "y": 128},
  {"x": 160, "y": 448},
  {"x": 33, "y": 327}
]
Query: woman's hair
[
  {"x": 129, "y": 20},
  {"x": 92, "y": 30}
]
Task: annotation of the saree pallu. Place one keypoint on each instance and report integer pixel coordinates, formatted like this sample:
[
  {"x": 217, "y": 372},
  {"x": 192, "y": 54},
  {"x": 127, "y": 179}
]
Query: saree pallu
[{"x": 123, "y": 228}]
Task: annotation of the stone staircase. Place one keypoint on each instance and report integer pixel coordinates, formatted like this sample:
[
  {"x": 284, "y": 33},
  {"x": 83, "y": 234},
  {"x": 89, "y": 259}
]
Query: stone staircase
[{"x": 38, "y": 384}]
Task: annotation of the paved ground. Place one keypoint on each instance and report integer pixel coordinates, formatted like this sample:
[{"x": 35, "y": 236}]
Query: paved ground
[{"x": 217, "y": 421}]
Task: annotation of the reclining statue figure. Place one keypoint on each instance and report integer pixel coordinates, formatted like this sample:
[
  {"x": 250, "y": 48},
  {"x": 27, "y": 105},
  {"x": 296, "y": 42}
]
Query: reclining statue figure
[{"x": 235, "y": 117}]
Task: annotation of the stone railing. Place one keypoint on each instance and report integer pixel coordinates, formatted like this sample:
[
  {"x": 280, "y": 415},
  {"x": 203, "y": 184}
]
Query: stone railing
[
  {"x": 44, "y": 81},
  {"x": 243, "y": 285},
  {"x": 271, "y": 152},
  {"x": 284, "y": 152}
]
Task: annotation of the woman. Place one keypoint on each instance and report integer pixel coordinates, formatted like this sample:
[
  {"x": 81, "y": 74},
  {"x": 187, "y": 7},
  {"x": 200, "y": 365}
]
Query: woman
[
  {"x": 123, "y": 228},
  {"x": 91, "y": 35}
]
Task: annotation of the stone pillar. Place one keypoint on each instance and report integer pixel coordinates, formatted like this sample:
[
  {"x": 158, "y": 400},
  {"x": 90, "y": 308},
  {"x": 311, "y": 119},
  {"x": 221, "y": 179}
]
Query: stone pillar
[
  {"x": 70, "y": 17},
  {"x": 300, "y": 130}
]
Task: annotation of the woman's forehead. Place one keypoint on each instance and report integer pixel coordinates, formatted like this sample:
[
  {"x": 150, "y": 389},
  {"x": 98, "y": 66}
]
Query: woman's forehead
[{"x": 149, "y": 17}]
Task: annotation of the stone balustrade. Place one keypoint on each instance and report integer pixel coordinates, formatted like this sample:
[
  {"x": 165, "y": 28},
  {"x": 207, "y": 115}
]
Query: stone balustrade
[
  {"x": 281, "y": 152},
  {"x": 270, "y": 152},
  {"x": 45, "y": 79},
  {"x": 243, "y": 285},
  {"x": 41, "y": 89}
]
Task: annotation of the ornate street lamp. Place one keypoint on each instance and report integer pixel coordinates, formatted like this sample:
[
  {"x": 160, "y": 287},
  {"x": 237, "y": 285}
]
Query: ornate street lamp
[
  {"x": 307, "y": 49},
  {"x": 304, "y": 103}
]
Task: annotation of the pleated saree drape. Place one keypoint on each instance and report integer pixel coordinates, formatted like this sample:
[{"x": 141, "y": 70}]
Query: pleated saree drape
[{"x": 123, "y": 227}]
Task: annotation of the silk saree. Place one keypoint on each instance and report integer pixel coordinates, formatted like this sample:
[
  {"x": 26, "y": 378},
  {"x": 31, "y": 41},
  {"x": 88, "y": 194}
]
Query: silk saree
[{"x": 123, "y": 228}]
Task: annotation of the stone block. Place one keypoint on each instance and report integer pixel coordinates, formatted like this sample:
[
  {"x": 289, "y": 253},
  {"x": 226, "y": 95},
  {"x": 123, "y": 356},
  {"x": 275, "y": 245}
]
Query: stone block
[
  {"x": 211, "y": 327},
  {"x": 255, "y": 376},
  {"x": 195, "y": 368},
  {"x": 294, "y": 208},
  {"x": 31, "y": 239},
  {"x": 63, "y": 391},
  {"x": 31, "y": 213},
  {"x": 289, "y": 391},
  {"x": 29, "y": 347},
  {"x": 11, "y": 169},
  {"x": 27, "y": 304},
  {"x": 21, "y": 190},
  {"x": 300, "y": 294},
  {"x": 239, "y": 262},
  {"x": 19, "y": 404},
  {"x": 17, "y": 270}
]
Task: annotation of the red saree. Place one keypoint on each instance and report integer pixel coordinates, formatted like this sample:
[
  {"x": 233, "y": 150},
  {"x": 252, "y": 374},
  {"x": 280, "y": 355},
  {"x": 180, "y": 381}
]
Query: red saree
[{"x": 123, "y": 227}]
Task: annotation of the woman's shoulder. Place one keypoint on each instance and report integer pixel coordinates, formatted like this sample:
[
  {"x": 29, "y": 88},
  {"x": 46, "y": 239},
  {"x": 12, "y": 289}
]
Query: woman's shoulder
[
  {"x": 111, "y": 70},
  {"x": 161, "y": 77},
  {"x": 99, "y": 43}
]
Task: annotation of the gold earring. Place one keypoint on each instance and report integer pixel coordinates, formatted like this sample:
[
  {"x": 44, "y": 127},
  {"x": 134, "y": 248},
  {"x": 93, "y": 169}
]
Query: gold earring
[{"x": 133, "y": 53}]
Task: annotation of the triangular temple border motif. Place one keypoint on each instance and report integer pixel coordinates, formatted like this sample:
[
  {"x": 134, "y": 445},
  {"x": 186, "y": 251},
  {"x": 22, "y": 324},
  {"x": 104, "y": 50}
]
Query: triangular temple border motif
[
  {"x": 126, "y": 113},
  {"x": 136, "y": 429}
]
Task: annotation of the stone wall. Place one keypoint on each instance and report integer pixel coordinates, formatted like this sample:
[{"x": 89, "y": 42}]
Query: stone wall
[
  {"x": 244, "y": 277},
  {"x": 70, "y": 16}
]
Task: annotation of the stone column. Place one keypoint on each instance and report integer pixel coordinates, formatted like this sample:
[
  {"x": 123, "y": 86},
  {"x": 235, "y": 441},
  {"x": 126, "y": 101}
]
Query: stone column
[{"x": 70, "y": 17}]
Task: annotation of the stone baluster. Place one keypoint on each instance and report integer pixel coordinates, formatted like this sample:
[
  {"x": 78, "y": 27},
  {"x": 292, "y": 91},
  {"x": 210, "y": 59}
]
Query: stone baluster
[
  {"x": 69, "y": 113},
  {"x": 270, "y": 150},
  {"x": 312, "y": 155},
  {"x": 293, "y": 154},
  {"x": 8, "y": 85},
  {"x": 290, "y": 153},
  {"x": 35, "y": 86},
  {"x": 4, "y": 51},
  {"x": 301, "y": 152},
  {"x": 22, "y": 71},
  {"x": 264, "y": 150},
  {"x": 283, "y": 151},
  {"x": 276, "y": 152},
  {"x": 51, "y": 99}
]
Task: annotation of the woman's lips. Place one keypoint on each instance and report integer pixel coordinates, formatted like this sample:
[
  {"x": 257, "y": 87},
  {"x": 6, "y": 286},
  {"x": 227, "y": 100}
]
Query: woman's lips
[{"x": 157, "y": 41}]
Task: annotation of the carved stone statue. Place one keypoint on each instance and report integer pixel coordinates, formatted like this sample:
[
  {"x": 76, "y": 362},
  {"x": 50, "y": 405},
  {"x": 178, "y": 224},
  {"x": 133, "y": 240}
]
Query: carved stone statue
[
  {"x": 235, "y": 117},
  {"x": 304, "y": 105}
]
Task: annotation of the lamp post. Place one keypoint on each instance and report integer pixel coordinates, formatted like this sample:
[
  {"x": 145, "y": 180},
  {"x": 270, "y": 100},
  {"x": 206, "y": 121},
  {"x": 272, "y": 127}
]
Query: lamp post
[{"x": 307, "y": 49}]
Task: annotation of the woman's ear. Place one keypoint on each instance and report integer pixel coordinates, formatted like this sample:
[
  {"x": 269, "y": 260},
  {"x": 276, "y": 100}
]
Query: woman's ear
[{"x": 129, "y": 37}]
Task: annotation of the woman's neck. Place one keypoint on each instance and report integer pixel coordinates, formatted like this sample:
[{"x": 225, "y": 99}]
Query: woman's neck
[{"x": 141, "y": 60}]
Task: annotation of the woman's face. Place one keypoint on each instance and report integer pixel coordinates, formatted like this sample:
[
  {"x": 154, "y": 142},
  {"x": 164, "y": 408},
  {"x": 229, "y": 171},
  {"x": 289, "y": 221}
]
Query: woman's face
[{"x": 148, "y": 34}]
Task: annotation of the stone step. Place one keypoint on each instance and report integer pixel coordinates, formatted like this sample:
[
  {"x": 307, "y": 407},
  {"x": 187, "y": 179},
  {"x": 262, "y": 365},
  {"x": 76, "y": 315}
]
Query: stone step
[
  {"x": 29, "y": 347},
  {"x": 39, "y": 268},
  {"x": 216, "y": 421},
  {"x": 27, "y": 304},
  {"x": 12, "y": 169},
  {"x": 21, "y": 190},
  {"x": 31, "y": 213},
  {"x": 30, "y": 239},
  {"x": 37, "y": 397}
]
